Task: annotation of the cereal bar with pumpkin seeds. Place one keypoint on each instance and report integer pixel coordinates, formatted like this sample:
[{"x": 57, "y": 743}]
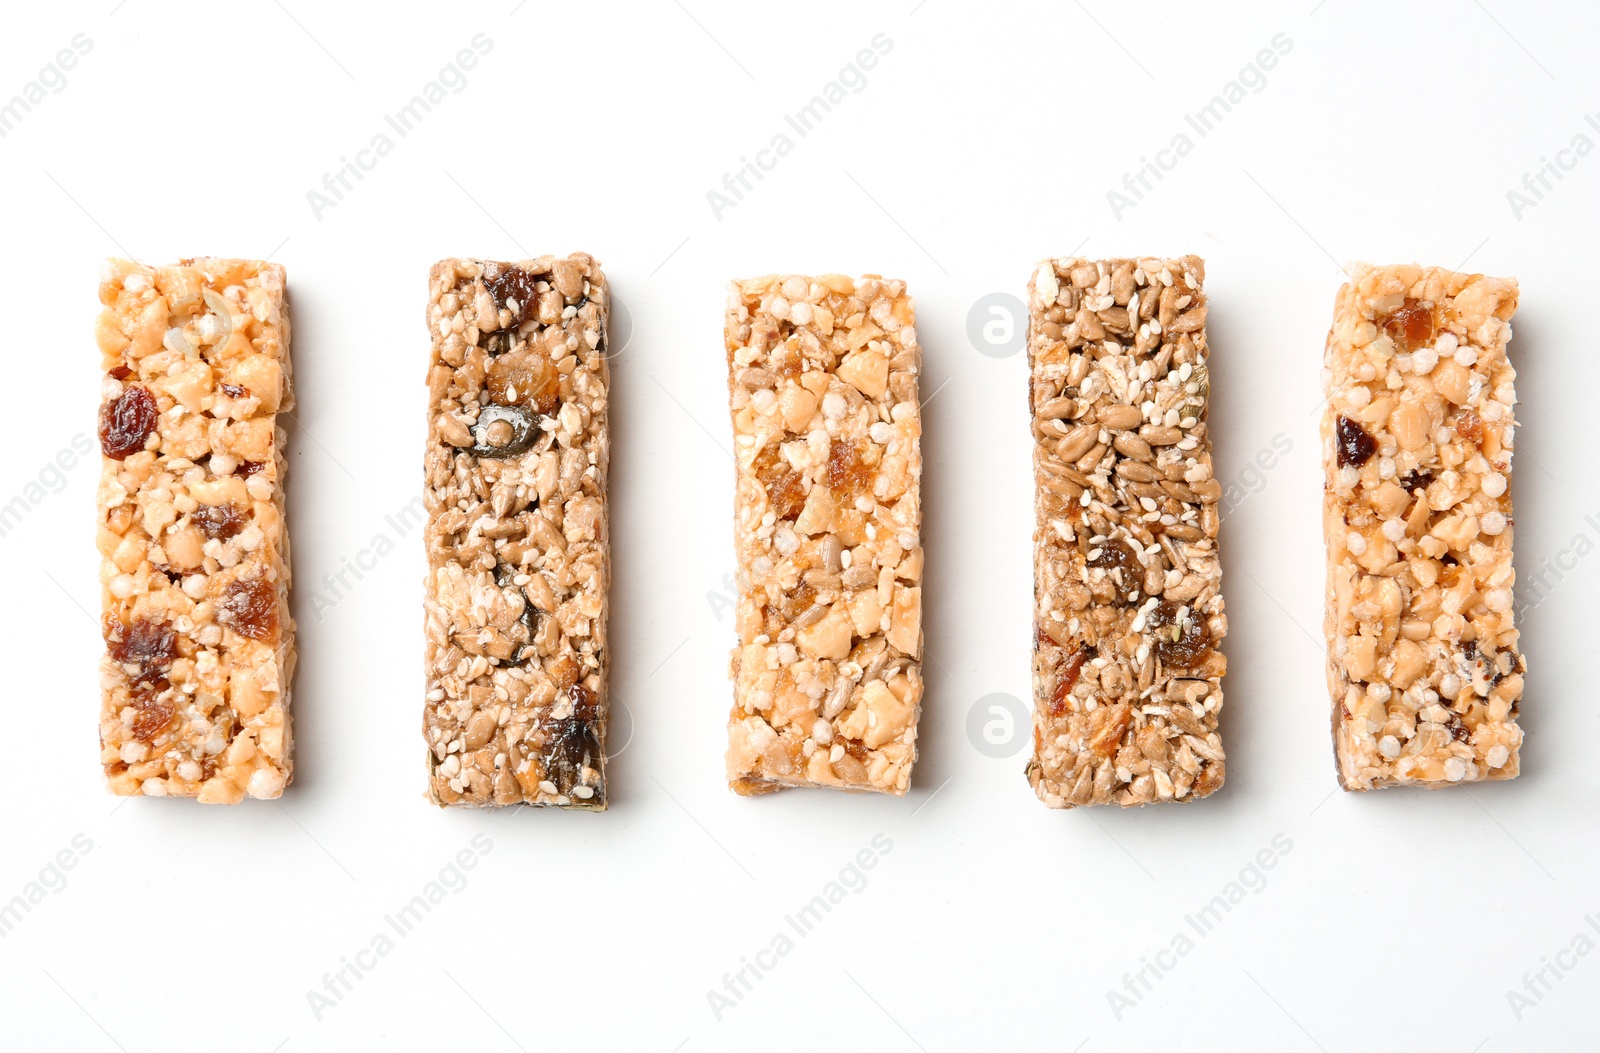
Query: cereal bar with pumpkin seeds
[
  {"x": 1423, "y": 666},
  {"x": 517, "y": 537},
  {"x": 822, "y": 380},
  {"x": 1127, "y": 678},
  {"x": 194, "y": 567}
]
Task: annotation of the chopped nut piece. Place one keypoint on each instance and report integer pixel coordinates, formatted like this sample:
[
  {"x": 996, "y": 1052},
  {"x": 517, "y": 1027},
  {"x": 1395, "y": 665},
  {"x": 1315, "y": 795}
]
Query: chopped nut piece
[
  {"x": 1424, "y": 672},
  {"x": 1127, "y": 678},
  {"x": 514, "y": 481},
  {"x": 194, "y": 565},
  {"x": 822, "y": 379}
]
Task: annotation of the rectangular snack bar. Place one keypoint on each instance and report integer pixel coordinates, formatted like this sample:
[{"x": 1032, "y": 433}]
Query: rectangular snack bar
[
  {"x": 1127, "y": 678},
  {"x": 194, "y": 567},
  {"x": 822, "y": 381},
  {"x": 1423, "y": 666},
  {"x": 517, "y": 534}
]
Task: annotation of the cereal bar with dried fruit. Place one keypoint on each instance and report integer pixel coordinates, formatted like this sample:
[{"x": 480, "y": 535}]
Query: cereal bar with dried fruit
[
  {"x": 822, "y": 381},
  {"x": 1423, "y": 666},
  {"x": 194, "y": 567},
  {"x": 1127, "y": 678},
  {"x": 517, "y": 536}
]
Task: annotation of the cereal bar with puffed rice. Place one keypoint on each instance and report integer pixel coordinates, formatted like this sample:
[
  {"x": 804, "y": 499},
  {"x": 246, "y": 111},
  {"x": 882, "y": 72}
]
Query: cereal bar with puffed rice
[
  {"x": 1423, "y": 666},
  {"x": 1128, "y": 611},
  {"x": 517, "y": 537},
  {"x": 194, "y": 567},
  {"x": 822, "y": 380}
]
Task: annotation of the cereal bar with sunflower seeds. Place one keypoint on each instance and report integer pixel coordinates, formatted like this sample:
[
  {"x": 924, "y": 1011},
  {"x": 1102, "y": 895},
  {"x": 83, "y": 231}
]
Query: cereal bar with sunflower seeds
[
  {"x": 1127, "y": 678},
  {"x": 517, "y": 536},
  {"x": 822, "y": 380},
  {"x": 1423, "y": 666},
  {"x": 194, "y": 567}
]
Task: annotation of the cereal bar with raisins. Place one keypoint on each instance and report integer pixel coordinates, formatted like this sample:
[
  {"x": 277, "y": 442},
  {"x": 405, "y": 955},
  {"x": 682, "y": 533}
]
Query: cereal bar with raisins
[
  {"x": 822, "y": 381},
  {"x": 194, "y": 567},
  {"x": 1423, "y": 666},
  {"x": 517, "y": 536},
  {"x": 1127, "y": 678}
]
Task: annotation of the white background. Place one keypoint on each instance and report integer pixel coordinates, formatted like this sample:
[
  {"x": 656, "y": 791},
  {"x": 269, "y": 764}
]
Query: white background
[{"x": 979, "y": 143}]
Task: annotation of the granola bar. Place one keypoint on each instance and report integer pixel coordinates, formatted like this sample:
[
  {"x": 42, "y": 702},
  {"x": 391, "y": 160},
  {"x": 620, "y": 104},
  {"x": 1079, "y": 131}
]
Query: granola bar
[
  {"x": 1127, "y": 678},
  {"x": 822, "y": 381},
  {"x": 194, "y": 567},
  {"x": 1423, "y": 666},
  {"x": 517, "y": 535}
]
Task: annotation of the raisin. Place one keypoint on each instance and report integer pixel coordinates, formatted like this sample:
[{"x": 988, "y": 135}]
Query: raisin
[
  {"x": 126, "y": 423},
  {"x": 1415, "y": 478},
  {"x": 572, "y": 746},
  {"x": 1458, "y": 728},
  {"x": 848, "y": 472},
  {"x": 150, "y": 645},
  {"x": 1355, "y": 446},
  {"x": 513, "y": 283},
  {"x": 220, "y": 521},
  {"x": 249, "y": 468},
  {"x": 1116, "y": 555},
  {"x": 585, "y": 703},
  {"x": 1470, "y": 649},
  {"x": 525, "y": 378},
  {"x": 1411, "y": 326},
  {"x": 1067, "y": 677},
  {"x": 120, "y": 373},
  {"x": 785, "y": 494},
  {"x": 151, "y": 718},
  {"x": 250, "y": 608},
  {"x": 235, "y": 391},
  {"x": 1185, "y": 647},
  {"x": 1468, "y": 426}
]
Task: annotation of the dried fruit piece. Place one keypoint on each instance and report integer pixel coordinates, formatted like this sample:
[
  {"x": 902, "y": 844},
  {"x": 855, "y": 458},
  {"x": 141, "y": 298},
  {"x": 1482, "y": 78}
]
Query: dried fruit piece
[
  {"x": 151, "y": 718},
  {"x": 1066, "y": 677},
  {"x": 1469, "y": 426},
  {"x": 1415, "y": 478},
  {"x": 1114, "y": 554},
  {"x": 1355, "y": 446},
  {"x": 572, "y": 747},
  {"x": 848, "y": 469},
  {"x": 249, "y": 468},
  {"x": 1182, "y": 640},
  {"x": 516, "y": 290},
  {"x": 786, "y": 495},
  {"x": 1411, "y": 326},
  {"x": 585, "y": 703},
  {"x": 127, "y": 421},
  {"x": 220, "y": 522},
  {"x": 250, "y": 608},
  {"x": 151, "y": 645},
  {"x": 525, "y": 377}
]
